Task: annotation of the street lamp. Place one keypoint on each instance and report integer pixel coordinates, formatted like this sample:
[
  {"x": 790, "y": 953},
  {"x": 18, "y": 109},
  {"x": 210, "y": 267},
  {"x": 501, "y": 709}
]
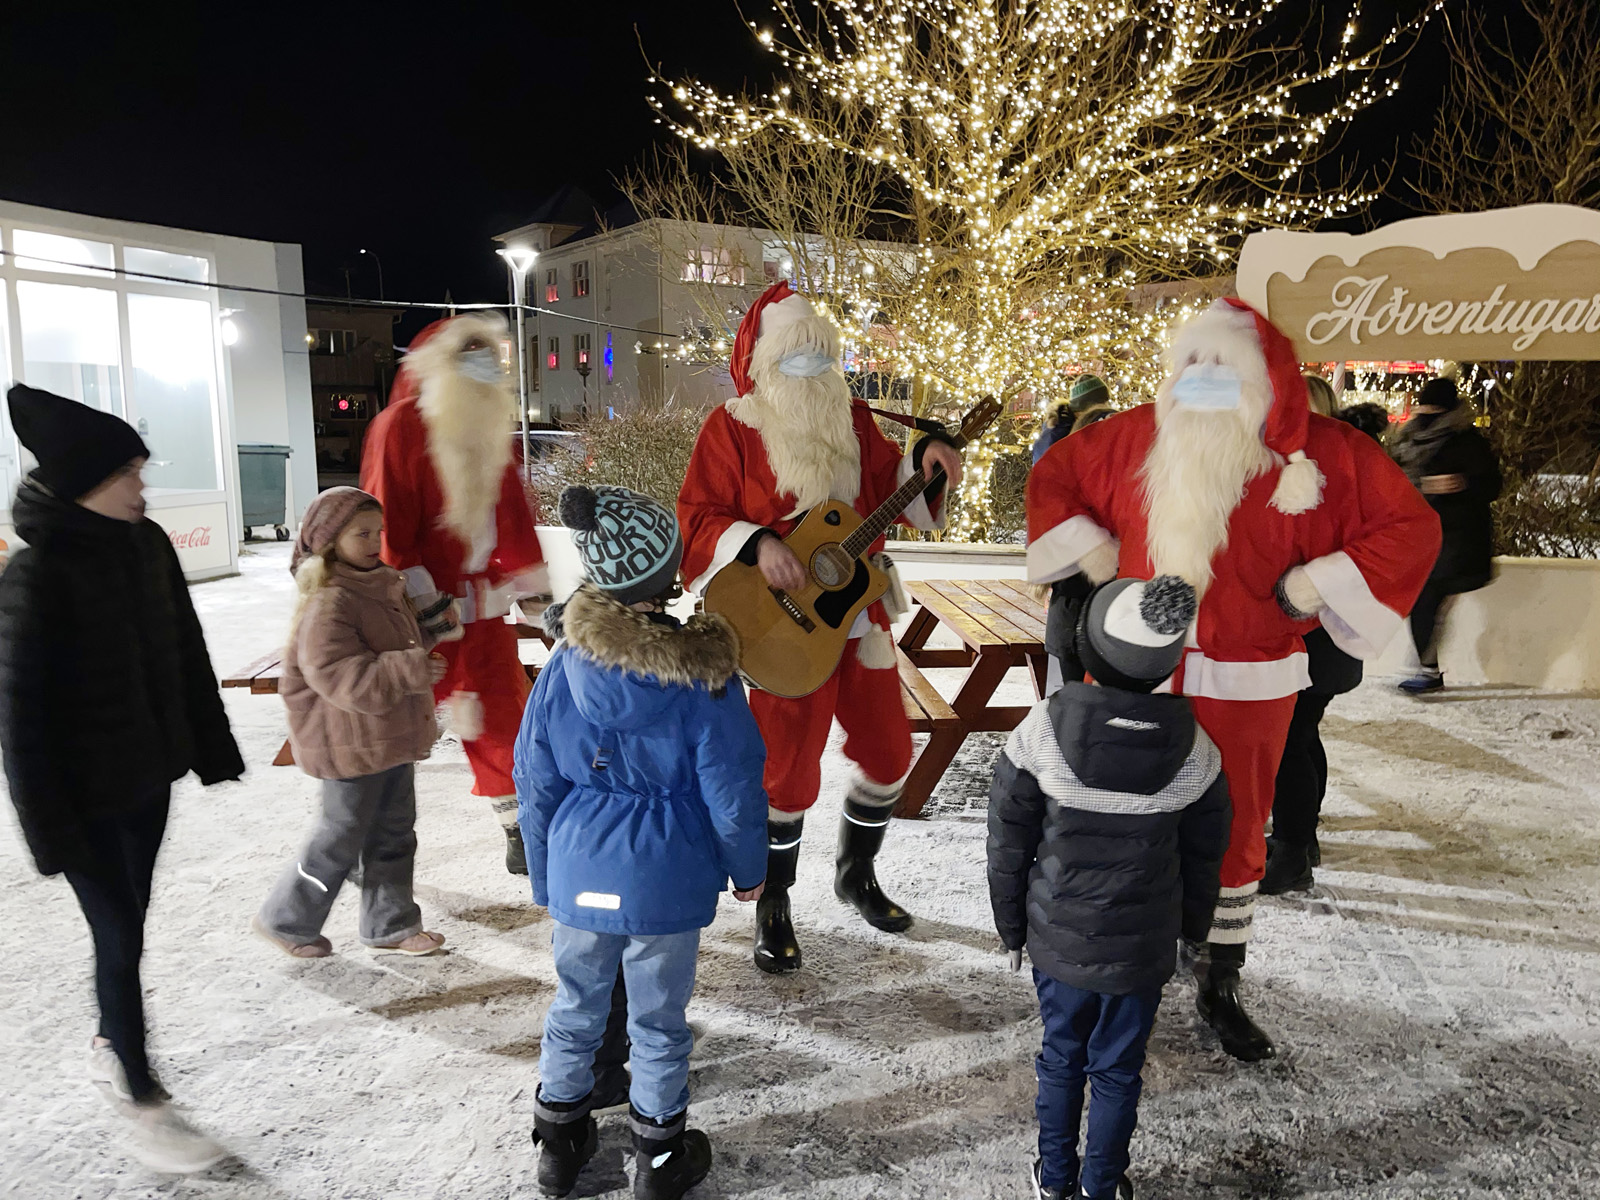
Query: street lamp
[
  {"x": 519, "y": 261},
  {"x": 379, "y": 261}
]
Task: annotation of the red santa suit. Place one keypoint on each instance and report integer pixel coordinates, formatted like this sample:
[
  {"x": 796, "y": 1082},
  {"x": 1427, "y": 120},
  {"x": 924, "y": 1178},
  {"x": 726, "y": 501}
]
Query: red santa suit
[
  {"x": 1362, "y": 535},
  {"x": 458, "y": 522}
]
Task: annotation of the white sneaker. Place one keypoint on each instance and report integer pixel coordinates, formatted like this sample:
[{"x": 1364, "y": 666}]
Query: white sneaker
[
  {"x": 106, "y": 1073},
  {"x": 164, "y": 1141}
]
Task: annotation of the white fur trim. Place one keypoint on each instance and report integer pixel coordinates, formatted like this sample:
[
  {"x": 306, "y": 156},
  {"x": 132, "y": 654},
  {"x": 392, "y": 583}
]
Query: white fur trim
[
  {"x": 791, "y": 310},
  {"x": 1124, "y": 621},
  {"x": 1235, "y": 914},
  {"x": 1057, "y": 552},
  {"x": 535, "y": 581},
  {"x": 466, "y": 716},
  {"x": 1272, "y": 680},
  {"x": 918, "y": 515},
  {"x": 875, "y": 650},
  {"x": 1227, "y": 335},
  {"x": 783, "y": 816},
  {"x": 1300, "y": 592},
  {"x": 728, "y": 546},
  {"x": 1299, "y": 487},
  {"x": 1355, "y": 619},
  {"x": 1100, "y": 564}
]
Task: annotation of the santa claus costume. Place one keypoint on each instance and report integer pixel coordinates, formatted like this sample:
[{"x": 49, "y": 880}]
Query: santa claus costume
[
  {"x": 459, "y": 526},
  {"x": 792, "y": 439},
  {"x": 1279, "y": 519}
]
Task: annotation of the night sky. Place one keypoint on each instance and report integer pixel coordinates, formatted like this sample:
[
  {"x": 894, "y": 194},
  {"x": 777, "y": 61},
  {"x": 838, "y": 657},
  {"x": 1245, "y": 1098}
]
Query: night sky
[{"x": 348, "y": 125}]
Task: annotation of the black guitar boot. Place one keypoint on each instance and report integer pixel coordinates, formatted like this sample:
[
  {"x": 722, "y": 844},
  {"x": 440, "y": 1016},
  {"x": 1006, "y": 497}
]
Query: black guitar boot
[
  {"x": 567, "y": 1138},
  {"x": 855, "y": 879},
  {"x": 777, "y": 952},
  {"x": 1216, "y": 971},
  {"x": 668, "y": 1157}
]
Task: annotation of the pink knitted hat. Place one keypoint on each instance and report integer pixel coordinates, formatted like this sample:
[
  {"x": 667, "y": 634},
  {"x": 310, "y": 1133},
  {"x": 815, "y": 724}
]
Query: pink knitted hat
[{"x": 325, "y": 521}]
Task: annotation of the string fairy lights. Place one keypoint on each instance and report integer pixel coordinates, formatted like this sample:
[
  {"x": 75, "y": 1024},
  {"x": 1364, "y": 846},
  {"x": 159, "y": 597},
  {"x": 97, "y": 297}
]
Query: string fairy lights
[{"x": 1067, "y": 174}]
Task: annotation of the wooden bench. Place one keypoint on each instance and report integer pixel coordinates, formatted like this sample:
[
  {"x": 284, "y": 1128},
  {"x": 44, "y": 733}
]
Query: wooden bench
[{"x": 263, "y": 675}]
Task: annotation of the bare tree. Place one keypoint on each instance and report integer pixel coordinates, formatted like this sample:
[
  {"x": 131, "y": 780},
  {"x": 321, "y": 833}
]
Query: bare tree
[
  {"x": 1521, "y": 125},
  {"x": 1037, "y": 163}
]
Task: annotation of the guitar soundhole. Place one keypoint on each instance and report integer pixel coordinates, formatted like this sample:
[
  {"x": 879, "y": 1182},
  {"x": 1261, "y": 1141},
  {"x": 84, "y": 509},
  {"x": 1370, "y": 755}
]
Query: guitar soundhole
[
  {"x": 831, "y": 567},
  {"x": 833, "y": 607}
]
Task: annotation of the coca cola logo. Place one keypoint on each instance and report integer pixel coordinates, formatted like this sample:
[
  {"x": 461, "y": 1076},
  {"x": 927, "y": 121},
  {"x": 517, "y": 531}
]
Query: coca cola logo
[{"x": 193, "y": 540}]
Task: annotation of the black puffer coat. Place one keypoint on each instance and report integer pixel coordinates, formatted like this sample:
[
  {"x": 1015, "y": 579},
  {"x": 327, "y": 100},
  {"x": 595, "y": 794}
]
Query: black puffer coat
[
  {"x": 1449, "y": 445},
  {"x": 1108, "y": 819},
  {"x": 106, "y": 689}
]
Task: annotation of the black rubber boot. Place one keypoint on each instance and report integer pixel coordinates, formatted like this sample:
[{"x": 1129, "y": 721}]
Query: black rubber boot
[
  {"x": 1316, "y": 851},
  {"x": 777, "y": 952},
  {"x": 855, "y": 880},
  {"x": 611, "y": 1079},
  {"x": 516, "y": 856},
  {"x": 567, "y": 1137},
  {"x": 1216, "y": 971},
  {"x": 668, "y": 1157},
  {"x": 1288, "y": 869}
]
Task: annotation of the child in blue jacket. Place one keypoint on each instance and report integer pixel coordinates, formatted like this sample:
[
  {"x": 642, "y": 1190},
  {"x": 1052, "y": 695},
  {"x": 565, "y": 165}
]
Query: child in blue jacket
[{"x": 638, "y": 773}]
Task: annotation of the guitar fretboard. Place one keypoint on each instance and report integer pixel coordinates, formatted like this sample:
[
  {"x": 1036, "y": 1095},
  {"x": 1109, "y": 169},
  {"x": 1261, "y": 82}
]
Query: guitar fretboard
[{"x": 871, "y": 529}]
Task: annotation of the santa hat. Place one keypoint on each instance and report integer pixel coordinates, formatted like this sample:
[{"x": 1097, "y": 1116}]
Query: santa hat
[
  {"x": 1239, "y": 336},
  {"x": 775, "y": 309}
]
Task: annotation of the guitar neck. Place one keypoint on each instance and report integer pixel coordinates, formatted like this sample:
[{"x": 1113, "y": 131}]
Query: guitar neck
[{"x": 871, "y": 529}]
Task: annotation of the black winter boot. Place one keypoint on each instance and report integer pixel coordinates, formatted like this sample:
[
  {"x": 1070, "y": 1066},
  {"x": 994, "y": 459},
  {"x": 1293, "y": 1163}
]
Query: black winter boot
[
  {"x": 668, "y": 1157},
  {"x": 777, "y": 952},
  {"x": 567, "y": 1137},
  {"x": 1216, "y": 971},
  {"x": 611, "y": 1079},
  {"x": 516, "y": 856},
  {"x": 855, "y": 880},
  {"x": 1288, "y": 868}
]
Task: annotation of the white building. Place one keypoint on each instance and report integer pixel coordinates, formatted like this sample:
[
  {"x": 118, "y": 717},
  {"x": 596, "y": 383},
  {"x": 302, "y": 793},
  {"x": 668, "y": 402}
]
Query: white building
[{"x": 136, "y": 320}]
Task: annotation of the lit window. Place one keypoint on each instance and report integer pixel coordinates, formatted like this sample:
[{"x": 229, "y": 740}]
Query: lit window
[
  {"x": 552, "y": 356},
  {"x": 64, "y": 255},
  {"x": 580, "y": 279},
  {"x": 552, "y": 289},
  {"x": 713, "y": 265},
  {"x": 580, "y": 349},
  {"x": 166, "y": 267},
  {"x": 610, "y": 357},
  {"x": 71, "y": 343}
]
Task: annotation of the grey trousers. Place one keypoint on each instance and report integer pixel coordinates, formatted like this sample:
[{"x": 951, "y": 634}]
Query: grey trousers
[{"x": 372, "y": 819}]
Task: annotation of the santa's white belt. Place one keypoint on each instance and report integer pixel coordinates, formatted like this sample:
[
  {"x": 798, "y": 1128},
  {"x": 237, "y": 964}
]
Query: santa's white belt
[{"x": 1217, "y": 680}]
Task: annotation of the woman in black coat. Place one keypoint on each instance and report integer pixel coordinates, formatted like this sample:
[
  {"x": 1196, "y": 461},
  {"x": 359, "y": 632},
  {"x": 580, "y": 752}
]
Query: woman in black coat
[
  {"x": 106, "y": 699},
  {"x": 1452, "y": 464}
]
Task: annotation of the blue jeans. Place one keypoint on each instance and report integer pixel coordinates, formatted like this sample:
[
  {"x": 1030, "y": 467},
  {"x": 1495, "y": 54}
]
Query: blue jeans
[
  {"x": 1102, "y": 1037},
  {"x": 659, "y": 972}
]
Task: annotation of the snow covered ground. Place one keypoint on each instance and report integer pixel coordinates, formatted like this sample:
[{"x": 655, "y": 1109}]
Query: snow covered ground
[{"x": 1437, "y": 999}]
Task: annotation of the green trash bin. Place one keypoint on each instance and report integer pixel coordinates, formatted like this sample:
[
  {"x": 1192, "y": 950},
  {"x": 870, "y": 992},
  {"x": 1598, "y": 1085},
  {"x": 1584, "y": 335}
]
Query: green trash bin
[{"x": 263, "y": 475}]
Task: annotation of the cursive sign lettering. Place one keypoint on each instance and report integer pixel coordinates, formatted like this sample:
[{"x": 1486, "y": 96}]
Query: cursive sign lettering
[
  {"x": 1357, "y": 311},
  {"x": 195, "y": 539}
]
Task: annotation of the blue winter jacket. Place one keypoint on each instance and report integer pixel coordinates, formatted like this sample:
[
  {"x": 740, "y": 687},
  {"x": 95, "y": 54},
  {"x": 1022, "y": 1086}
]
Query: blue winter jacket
[{"x": 638, "y": 772}]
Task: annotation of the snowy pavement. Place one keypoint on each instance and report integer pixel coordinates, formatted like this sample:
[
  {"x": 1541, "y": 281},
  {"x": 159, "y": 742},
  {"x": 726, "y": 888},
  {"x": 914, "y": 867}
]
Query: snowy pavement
[{"x": 1437, "y": 999}]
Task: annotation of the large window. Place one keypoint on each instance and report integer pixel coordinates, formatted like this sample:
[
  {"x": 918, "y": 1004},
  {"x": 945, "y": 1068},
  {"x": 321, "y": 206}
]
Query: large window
[
  {"x": 711, "y": 264},
  {"x": 71, "y": 343},
  {"x": 65, "y": 255},
  {"x": 580, "y": 279},
  {"x": 552, "y": 288},
  {"x": 174, "y": 389},
  {"x": 166, "y": 267}
]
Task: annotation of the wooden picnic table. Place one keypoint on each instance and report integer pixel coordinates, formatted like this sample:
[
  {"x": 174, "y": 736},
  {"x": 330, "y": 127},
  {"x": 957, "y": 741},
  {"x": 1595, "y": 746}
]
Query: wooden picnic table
[{"x": 1001, "y": 626}]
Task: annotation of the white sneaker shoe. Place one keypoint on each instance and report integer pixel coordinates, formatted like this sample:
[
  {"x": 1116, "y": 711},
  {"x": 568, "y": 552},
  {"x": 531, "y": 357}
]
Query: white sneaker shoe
[
  {"x": 106, "y": 1073},
  {"x": 164, "y": 1141}
]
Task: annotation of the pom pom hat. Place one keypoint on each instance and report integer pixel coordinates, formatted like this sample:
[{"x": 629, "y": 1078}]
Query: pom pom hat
[
  {"x": 774, "y": 310},
  {"x": 1233, "y": 333},
  {"x": 629, "y": 544},
  {"x": 1131, "y": 633}
]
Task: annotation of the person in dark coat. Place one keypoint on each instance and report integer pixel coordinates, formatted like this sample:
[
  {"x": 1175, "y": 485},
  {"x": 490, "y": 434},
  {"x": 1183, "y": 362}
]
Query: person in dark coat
[
  {"x": 106, "y": 699},
  {"x": 1292, "y": 850},
  {"x": 1452, "y": 464},
  {"x": 1108, "y": 818},
  {"x": 1088, "y": 401}
]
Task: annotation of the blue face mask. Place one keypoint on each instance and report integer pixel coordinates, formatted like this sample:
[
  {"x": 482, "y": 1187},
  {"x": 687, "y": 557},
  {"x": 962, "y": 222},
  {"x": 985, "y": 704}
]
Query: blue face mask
[
  {"x": 1209, "y": 387},
  {"x": 482, "y": 365},
  {"x": 805, "y": 363}
]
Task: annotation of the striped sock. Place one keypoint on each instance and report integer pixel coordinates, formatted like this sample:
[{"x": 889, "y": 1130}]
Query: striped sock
[
  {"x": 505, "y": 810},
  {"x": 1234, "y": 915}
]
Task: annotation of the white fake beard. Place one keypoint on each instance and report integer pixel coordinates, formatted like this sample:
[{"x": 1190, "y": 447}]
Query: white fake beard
[
  {"x": 810, "y": 439},
  {"x": 469, "y": 440},
  {"x": 1194, "y": 477}
]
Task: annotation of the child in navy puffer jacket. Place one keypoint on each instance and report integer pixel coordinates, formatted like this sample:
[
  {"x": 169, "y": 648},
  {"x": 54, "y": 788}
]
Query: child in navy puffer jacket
[{"x": 638, "y": 774}]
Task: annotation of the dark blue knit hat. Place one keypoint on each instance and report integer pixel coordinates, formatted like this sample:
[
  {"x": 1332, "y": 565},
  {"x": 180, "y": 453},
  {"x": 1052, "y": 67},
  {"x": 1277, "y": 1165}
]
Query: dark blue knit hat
[{"x": 629, "y": 544}]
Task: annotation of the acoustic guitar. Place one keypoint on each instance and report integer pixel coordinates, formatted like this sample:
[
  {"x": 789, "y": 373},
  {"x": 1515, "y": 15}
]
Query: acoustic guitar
[{"x": 791, "y": 641}]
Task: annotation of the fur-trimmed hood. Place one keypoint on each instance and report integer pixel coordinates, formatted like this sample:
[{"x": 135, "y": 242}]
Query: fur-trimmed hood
[{"x": 653, "y": 656}]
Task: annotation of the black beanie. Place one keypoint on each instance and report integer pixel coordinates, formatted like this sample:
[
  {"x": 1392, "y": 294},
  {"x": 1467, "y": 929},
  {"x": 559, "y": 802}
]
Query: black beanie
[
  {"x": 1440, "y": 394},
  {"x": 78, "y": 447}
]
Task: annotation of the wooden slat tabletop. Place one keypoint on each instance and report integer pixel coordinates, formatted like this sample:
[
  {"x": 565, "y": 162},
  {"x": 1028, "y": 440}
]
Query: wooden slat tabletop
[
  {"x": 1006, "y": 616},
  {"x": 951, "y": 605}
]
